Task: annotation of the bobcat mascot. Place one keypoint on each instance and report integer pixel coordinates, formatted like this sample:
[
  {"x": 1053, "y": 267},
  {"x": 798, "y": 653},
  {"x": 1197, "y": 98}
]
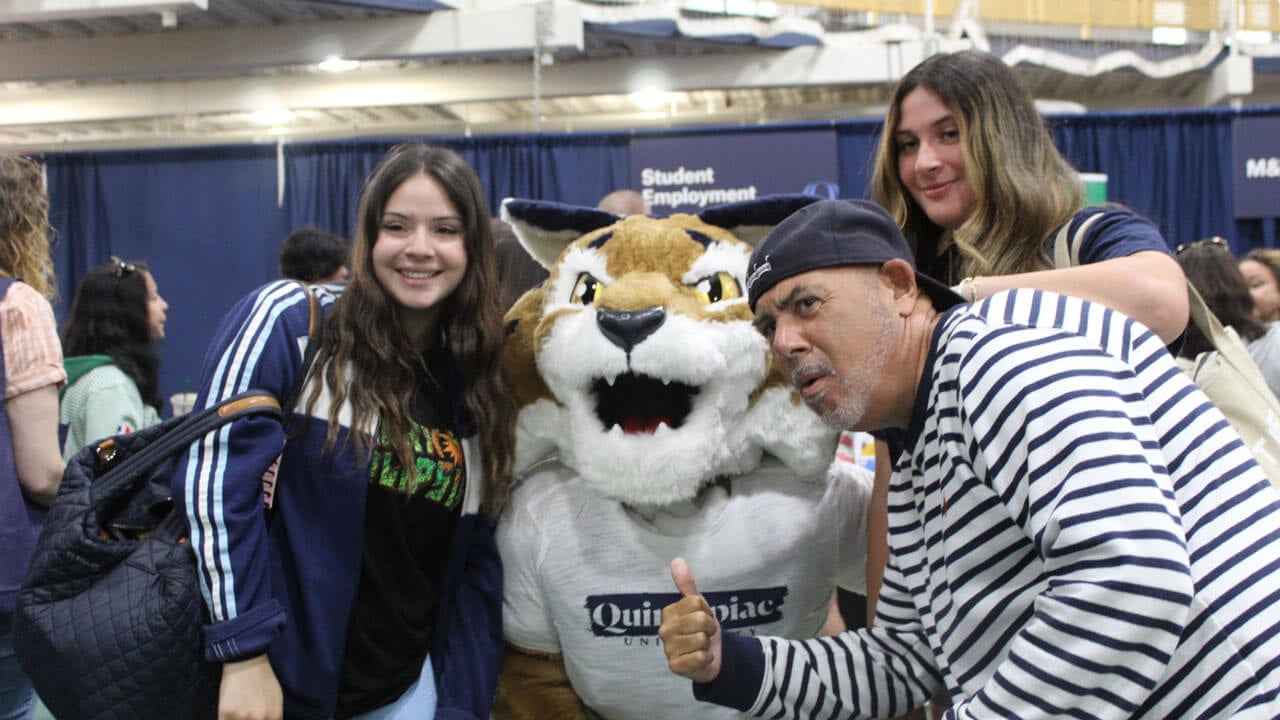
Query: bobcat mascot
[{"x": 652, "y": 427}]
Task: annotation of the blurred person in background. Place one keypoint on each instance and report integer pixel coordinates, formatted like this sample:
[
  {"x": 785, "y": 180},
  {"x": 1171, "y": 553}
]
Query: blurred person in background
[
  {"x": 30, "y": 464},
  {"x": 1211, "y": 268},
  {"x": 113, "y": 368},
  {"x": 314, "y": 255},
  {"x": 623, "y": 203},
  {"x": 1261, "y": 270},
  {"x": 517, "y": 270}
]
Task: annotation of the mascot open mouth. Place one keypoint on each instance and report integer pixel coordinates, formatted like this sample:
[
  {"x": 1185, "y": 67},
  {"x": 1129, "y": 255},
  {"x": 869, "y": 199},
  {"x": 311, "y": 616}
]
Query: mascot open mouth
[{"x": 639, "y": 403}]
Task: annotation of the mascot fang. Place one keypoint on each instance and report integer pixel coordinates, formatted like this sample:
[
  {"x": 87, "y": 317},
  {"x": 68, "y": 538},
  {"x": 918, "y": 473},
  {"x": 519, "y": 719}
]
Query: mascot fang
[{"x": 652, "y": 426}]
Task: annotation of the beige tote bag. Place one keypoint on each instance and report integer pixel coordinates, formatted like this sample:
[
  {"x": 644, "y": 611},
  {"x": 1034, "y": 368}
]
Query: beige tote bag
[{"x": 1227, "y": 374}]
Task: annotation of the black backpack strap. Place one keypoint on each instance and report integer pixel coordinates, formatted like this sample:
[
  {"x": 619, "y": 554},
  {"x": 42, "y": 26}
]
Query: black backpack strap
[
  {"x": 117, "y": 478},
  {"x": 180, "y": 432}
]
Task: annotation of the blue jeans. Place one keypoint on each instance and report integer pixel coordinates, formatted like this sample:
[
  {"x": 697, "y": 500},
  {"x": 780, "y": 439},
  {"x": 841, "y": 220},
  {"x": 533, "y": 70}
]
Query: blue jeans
[
  {"x": 17, "y": 699},
  {"x": 417, "y": 703}
]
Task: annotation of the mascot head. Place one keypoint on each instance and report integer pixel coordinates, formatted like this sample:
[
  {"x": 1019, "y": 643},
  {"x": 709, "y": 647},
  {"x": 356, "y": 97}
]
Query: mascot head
[{"x": 636, "y": 362}]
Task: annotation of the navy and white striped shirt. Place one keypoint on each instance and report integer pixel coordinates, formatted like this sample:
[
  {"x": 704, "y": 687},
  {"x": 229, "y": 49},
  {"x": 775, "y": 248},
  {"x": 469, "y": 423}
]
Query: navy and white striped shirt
[{"x": 1074, "y": 531}]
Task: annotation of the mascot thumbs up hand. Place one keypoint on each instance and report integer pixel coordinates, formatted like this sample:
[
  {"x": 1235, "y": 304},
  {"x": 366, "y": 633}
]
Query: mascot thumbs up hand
[{"x": 653, "y": 426}]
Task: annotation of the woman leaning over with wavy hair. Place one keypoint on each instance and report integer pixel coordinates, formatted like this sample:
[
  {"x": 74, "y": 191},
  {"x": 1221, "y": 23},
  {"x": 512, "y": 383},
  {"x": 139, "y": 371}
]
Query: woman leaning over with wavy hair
[
  {"x": 969, "y": 170},
  {"x": 376, "y": 590},
  {"x": 30, "y": 464}
]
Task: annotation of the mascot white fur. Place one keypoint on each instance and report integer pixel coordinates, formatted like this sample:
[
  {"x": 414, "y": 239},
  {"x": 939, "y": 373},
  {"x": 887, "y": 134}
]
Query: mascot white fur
[{"x": 652, "y": 427}]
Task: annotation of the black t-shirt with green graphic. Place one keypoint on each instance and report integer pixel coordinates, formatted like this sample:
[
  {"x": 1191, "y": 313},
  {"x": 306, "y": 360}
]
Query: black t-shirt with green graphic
[{"x": 409, "y": 522}]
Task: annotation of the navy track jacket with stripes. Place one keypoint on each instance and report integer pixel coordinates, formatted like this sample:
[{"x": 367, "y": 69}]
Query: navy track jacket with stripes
[
  {"x": 1074, "y": 531},
  {"x": 285, "y": 585}
]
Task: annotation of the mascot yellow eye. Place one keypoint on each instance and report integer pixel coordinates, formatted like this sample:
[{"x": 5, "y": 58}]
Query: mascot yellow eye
[
  {"x": 584, "y": 291},
  {"x": 714, "y": 288}
]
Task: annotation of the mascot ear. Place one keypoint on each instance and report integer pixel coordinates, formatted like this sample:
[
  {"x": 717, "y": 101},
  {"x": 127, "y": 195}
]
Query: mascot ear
[
  {"x": 545, "y": 229},
  {"x": 751, "y": 220}
]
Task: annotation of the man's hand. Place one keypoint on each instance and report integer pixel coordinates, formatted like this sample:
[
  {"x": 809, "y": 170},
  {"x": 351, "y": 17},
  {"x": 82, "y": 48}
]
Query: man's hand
[
  {"x": 250, "y": 691},
  {"x": 690, "y": 634}
]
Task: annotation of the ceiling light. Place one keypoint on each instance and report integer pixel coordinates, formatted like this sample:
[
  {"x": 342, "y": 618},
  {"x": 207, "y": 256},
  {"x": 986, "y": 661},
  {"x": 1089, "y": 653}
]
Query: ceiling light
[
  {"x": 1169, "y": 36},
  {"x": 650, "y": 98},
  {"x": 1253, "y": 37},
  {"x": 748, "y": 8},
  {"x": 335, "y": 64},
  {"x": 1059, "y": 107},
  {"x": 272, "y": 116}
]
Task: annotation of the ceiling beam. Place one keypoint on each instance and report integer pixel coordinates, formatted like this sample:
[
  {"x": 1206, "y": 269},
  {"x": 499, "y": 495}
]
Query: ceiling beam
[
  {"x": 460, "y": 83},
  {"x": 25, "y": 11},
  {"x": 402, "y": 5},
  {"x": 224, "y": 51},
  {"x": 470, "y": 119},
  {"x": 1229, "y": 80}
]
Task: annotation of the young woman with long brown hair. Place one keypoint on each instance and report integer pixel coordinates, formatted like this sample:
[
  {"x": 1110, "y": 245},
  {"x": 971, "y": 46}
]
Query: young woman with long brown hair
[
  {"x": 371, "y": 587},
  {"x": 967, "y": 167}
]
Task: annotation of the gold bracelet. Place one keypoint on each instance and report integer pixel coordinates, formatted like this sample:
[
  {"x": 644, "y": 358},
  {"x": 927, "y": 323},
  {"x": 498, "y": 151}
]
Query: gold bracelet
[{"x": 971, "y": 294}]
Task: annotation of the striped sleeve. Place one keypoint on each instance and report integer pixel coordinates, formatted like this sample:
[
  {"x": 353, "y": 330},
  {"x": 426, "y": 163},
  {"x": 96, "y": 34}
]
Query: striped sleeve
[
  {"x": 882, "y": 671},
  {"x": 257, "y": 346},
  {"x": 32, "y": 351},
  {"x": 870, "y": 672},
  {"x": 1077, "y": 467}
]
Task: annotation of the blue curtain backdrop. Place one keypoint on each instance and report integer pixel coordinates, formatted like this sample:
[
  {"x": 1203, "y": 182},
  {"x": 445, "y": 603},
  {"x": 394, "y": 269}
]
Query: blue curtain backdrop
[
  {"x": 205, "y": 220},
  {"x": 324, "y": 179},
  {"x": 208, "y": 221},
  {"x": 1173, "y": 167}
]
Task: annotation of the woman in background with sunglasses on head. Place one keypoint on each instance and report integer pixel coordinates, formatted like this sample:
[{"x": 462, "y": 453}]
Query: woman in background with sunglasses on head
[
  {"x": 1213, "y": 270},
  {"x": 113, "y": 371},
  {"x": 30, "y": 374}
]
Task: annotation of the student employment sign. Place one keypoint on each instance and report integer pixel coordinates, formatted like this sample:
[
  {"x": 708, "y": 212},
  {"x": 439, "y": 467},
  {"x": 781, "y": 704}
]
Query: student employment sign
[{"x": 688, "y": 174}]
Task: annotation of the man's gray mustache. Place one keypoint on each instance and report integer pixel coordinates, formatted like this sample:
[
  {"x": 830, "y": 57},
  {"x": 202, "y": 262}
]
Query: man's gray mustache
[{"x": 803, "y": 370}]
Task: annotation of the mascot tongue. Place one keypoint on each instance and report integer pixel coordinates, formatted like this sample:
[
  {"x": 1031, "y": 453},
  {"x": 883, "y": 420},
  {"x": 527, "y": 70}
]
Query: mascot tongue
[{"x": 643, "y": 425}]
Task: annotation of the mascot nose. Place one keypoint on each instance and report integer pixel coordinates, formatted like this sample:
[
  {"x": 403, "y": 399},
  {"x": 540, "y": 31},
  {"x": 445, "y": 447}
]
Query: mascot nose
[{"x": 628, "y": 328}]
